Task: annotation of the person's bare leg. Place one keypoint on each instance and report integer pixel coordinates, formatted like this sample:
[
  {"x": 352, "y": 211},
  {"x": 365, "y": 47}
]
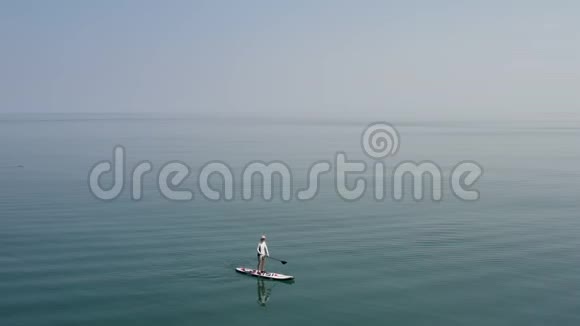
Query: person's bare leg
[{"x": 264, "y": 264}]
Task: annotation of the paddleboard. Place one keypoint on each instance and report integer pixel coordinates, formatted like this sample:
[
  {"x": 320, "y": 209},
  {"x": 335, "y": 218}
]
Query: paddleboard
[{"x": 268, "y": 275}]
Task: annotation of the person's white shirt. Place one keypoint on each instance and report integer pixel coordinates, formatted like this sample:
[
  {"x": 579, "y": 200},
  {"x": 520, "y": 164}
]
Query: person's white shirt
[{"x": 263, "y": 249}]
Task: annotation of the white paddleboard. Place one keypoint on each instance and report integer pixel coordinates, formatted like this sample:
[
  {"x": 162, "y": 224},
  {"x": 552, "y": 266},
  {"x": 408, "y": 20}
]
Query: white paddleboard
[{"x": 272, "y": 276}]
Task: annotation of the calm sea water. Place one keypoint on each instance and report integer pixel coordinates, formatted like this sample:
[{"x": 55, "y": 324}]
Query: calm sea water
[{"x": 66, "y": 258}]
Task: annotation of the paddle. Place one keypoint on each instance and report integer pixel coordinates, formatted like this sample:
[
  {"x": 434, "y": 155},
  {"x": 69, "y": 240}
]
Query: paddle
[{"x": 282, "y": 261}]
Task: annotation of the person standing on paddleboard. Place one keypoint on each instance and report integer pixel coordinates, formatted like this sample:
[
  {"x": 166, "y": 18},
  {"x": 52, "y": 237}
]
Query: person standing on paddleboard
[{"x": 262, "y": 254}]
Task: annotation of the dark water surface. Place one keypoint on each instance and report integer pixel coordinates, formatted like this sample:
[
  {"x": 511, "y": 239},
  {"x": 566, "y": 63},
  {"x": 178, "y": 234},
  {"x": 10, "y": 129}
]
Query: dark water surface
[{"x": 67, "y": 258}]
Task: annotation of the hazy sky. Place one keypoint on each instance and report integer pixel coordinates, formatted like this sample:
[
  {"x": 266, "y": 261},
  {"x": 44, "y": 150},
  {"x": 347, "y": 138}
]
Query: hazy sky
[{"x": 424, "y": 59}]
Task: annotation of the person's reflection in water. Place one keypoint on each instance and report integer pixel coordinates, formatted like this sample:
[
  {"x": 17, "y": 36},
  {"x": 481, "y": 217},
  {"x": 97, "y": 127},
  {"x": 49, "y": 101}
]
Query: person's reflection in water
[{"x": 263, "y": 293}]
